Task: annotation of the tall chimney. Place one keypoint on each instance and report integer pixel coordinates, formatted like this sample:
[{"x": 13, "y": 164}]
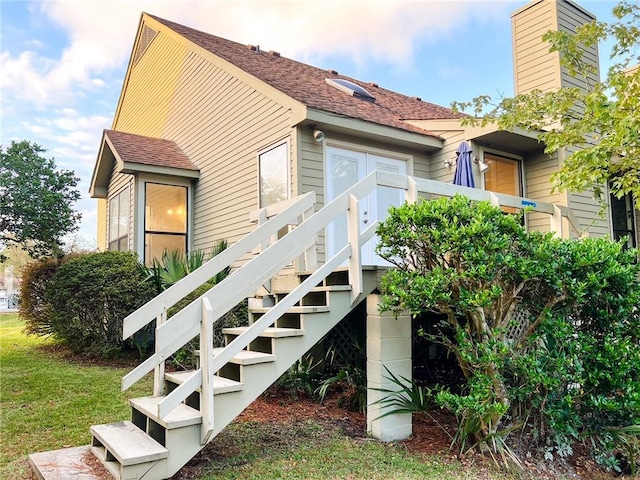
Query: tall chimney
[{"x": 534, "y": 66}]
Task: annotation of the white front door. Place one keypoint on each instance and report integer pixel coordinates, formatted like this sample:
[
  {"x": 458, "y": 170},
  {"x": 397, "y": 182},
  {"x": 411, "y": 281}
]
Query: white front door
[{"x": 344, "y": 169}]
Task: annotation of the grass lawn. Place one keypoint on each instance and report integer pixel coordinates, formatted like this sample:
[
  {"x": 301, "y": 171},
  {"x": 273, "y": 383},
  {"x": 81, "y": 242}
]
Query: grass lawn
[{"x": 48, "y": 403}]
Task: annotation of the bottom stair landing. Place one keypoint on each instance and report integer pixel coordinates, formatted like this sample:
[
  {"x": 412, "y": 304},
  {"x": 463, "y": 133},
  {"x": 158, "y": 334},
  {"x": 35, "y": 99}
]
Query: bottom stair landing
[{"x": 76, "y": 463}]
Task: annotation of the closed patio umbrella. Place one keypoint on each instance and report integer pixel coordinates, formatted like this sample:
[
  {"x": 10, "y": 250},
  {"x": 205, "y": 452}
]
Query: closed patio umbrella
[{"x": 464, "y": 175}]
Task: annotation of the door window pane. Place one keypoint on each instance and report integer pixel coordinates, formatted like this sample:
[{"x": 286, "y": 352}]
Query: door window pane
[{"x": 503, "y": 176}]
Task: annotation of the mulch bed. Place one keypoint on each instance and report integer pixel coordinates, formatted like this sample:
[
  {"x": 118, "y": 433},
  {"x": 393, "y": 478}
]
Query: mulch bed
[{"x": 432, "y": 435}]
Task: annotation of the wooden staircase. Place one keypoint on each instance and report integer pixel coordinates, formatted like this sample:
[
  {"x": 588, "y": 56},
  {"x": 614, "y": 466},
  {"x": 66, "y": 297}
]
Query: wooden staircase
[{"x": 152, "y": 447}]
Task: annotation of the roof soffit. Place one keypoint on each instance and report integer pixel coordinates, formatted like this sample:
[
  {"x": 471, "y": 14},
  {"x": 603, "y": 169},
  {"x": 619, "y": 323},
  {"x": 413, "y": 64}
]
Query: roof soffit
[
  {"x": 517, "y": 140},
  {"x": 428, "y": 141}
]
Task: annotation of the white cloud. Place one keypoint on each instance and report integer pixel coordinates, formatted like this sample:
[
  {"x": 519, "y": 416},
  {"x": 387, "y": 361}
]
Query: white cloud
[
  {"x": 100, "y": 35},
  {"x": 61, "y": 88}
]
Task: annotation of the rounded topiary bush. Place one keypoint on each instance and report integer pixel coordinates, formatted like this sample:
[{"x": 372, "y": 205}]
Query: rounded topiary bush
[{"x": 90, "y": 295}]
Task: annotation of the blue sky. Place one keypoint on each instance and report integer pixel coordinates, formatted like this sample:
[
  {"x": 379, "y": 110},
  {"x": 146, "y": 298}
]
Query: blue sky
[{"x": 62, "y": 62}]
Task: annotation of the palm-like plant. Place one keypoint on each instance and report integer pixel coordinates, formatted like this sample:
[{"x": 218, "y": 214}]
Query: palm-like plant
[{"x": 175, "y": 265}]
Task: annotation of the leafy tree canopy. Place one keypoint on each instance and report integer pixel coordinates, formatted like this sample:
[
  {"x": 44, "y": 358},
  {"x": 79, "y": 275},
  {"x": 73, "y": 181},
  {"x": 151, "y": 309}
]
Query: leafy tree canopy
[
  {"x": 602, "y": 123},
  {"x": 35, "y": 200}
]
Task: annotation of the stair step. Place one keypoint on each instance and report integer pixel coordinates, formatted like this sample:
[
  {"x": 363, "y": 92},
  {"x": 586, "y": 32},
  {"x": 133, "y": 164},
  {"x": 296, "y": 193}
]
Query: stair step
[
  {"x": 248, "y": 358},
  {"x": 327, "y": 288},
  {"x": 303, "y": 309},
  {"x": 268, "y": 332},
  {"x": 181, "y": 416},
  {"x": 220, "y": 384},
  {"x": 126, "y": 443}
]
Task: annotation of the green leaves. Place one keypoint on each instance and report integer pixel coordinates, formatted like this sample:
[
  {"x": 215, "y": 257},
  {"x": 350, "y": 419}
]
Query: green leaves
[
  {"x": 545, "y": 330},
  {"x": 599, "y": 126},
  {"x": 35, "y": 200}
]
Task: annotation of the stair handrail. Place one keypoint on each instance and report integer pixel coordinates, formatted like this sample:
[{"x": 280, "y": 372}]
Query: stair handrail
[
  {"x": 186, "y": 324},
  {"x": 171, "y": 339},
  {"x": 149, "y": 311}
]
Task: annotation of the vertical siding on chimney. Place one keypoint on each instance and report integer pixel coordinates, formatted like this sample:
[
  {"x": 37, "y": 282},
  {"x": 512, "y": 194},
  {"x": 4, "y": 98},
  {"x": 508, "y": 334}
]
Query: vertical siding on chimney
[
  {"x": 537, "y": 68},
  {"x": 534, "y": 66}
]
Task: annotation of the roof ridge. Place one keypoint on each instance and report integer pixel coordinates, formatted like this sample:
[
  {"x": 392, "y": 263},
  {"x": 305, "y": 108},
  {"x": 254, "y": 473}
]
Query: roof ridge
[{"x": 306, "y": 83}]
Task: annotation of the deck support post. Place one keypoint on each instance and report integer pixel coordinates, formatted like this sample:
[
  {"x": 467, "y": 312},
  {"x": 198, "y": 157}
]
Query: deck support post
[{"x": 388, "y": 348}]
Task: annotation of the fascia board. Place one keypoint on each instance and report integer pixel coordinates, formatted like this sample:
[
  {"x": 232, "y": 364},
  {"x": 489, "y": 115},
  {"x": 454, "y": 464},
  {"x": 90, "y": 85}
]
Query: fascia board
[
  {"x": 132, "y": 168},
  {"x": 358, "y": 127}
]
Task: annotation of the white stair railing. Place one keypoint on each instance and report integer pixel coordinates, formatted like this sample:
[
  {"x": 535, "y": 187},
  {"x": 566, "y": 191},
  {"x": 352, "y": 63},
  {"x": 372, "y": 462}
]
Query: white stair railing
[{"x": 199, "y": 316}]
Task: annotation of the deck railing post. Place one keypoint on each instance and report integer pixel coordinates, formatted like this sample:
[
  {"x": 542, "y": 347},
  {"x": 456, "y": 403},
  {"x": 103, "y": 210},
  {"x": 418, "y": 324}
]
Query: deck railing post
[
  {"x": 355, "y": 261},
  {"x": 556, "y": 222},
  {"x": 309, "y": 261},
  {"x": 411, "y": 194},
  {"x": 158, "y": 372},
  {"x": 206, "y": 360}
]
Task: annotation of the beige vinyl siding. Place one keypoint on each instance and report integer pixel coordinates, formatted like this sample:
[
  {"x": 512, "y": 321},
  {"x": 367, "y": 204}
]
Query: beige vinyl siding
[
  {"x": 312, "y": 166},
  {"x": 538, "y": 168},
  {"x": 570, "y": 17},
  {"x": 438, "y": 170},
  {"x": 101, "y": 237},
  {"x": 120, "y": 181},
  {"x": 588, "y": 212},
  {"x": 151, "y": 83},
  {"x": 534, "y": 66},
  {"x": 221, "y": 123}
]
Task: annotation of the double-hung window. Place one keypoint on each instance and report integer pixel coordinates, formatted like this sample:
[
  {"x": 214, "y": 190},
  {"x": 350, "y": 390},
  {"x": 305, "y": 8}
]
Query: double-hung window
[
  {"x": 119, "y": 214},
  {"x": 165, "y": 219},
  {"x": 273, "y": 165}
]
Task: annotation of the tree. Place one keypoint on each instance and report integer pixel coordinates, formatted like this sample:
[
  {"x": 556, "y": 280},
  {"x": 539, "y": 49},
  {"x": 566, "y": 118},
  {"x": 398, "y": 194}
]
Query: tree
[
  {"x": 601, "y": 123},
  {"x": 543, "y": 329},
  {"x": 35, "y": 200}
]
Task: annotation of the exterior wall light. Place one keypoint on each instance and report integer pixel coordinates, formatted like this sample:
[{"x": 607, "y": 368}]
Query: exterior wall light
[{"x": 483, "y": 166}]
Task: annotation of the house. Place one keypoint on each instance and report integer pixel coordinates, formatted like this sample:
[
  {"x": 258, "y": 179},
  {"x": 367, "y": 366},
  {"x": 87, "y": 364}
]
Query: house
[
  {"x": 293, "y": 165},
  {"x": 208, "y": 130}
]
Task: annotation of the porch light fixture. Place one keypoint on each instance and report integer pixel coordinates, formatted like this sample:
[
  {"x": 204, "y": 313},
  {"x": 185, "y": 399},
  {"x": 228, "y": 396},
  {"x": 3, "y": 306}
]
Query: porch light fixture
[
  {"x": 483, "y": 166},
  {"x": 450, "y": 162},
  {"x": 318, "y": 135}
]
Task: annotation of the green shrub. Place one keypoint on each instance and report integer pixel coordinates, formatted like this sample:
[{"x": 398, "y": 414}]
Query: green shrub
[
  {"x": 84, "y": 298},
  {"x": 546, "y": 331},
  {"x": 34, "y": 308}
]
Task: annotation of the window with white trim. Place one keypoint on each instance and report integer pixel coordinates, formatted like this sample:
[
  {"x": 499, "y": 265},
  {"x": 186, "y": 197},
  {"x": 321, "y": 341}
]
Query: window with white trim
[
  {"x": 165, "y": 220},
  {"x": 273, "y": 165},
  {"x": 119, "y": 213}
]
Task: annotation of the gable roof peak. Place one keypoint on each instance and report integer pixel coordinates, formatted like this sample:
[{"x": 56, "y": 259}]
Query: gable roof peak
[{"x": 307, "y": 84}]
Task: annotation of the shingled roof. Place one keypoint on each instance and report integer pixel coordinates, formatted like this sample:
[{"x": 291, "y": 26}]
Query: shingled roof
[
  {"x": 158, "y": 152},
  {"x": 306, "y": 84}
]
